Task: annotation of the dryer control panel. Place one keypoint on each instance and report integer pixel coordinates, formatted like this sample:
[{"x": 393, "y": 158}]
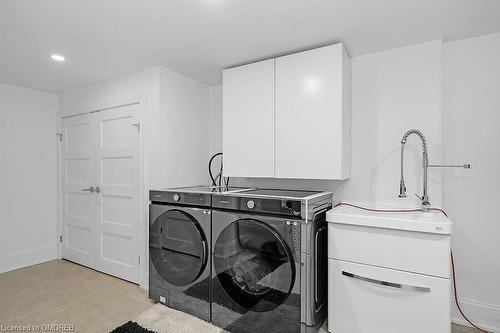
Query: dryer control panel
[{"x": 181, "y": 198}]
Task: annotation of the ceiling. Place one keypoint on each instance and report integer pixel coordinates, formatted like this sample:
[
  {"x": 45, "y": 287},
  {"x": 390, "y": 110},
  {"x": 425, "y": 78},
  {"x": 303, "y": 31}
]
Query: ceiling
[{"x": 102, "y": 39}]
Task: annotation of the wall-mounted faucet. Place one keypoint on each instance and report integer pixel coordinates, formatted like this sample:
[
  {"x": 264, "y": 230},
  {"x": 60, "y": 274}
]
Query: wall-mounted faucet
[{"x": 425, "y": 164}]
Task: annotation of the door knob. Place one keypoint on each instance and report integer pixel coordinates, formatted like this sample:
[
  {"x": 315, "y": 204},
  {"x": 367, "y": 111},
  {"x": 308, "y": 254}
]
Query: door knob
[
  {"x": 91, "y": 189},
  {"x": 97, "y": 189}
]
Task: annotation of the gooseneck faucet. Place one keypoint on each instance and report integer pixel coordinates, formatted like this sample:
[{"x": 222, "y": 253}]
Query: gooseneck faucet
[{"x": 425, "y": 206}]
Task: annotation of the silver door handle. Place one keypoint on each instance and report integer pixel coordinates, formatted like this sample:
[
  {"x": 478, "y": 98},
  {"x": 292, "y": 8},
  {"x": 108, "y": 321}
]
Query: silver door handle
[
  {"x": 91, "y": 189},
  {"x": 204, "y": 252},
  {"x": 386, "y": 283}
]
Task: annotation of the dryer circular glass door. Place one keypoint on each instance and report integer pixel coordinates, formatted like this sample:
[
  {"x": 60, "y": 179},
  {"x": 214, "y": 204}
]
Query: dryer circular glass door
[
  {"x": 178, "y": 247},
  {"x": 254, "y": 265}
]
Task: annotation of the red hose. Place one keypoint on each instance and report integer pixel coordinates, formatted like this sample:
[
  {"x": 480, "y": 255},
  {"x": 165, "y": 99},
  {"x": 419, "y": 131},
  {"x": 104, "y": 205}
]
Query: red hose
[
  {"x": 456, "y": 296},
  {"x": 451, "y": 252}
]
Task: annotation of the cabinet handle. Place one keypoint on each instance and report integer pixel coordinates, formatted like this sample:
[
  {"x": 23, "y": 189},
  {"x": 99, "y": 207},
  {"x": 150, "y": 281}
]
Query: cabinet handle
[{"x": 386, "y": 283}]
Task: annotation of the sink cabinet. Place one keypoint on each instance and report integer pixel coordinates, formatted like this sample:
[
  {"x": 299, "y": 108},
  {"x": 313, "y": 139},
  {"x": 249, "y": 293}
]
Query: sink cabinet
[{"x": 388, "y": 272}]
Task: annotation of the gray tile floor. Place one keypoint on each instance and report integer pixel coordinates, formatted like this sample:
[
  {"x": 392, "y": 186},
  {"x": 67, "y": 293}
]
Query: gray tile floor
[{"x": 61, "y": 292}]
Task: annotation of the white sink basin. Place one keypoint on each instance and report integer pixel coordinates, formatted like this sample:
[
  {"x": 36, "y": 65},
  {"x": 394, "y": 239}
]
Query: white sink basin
[{"x": 432, "y": 222}]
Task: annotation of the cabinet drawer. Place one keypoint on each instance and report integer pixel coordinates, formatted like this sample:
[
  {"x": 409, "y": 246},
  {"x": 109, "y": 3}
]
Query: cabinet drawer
[
  {"x": 368, "y": 299},
  {"x": 410, "y": 251}
]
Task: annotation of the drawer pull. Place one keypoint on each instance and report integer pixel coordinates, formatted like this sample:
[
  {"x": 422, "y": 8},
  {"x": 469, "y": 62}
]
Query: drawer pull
[{"x": 388, "y": 284}]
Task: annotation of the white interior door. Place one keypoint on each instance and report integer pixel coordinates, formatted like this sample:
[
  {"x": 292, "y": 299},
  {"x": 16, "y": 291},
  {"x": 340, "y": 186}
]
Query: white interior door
[
  {"x": 101, "y": 150},
  {"x": 117, "y": 171},
  {"x": 79, "y": 214}
]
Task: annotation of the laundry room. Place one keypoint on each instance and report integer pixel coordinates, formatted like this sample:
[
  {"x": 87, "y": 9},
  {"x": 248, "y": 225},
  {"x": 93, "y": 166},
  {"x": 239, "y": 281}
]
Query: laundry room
[{"x": 249, "y": 166}]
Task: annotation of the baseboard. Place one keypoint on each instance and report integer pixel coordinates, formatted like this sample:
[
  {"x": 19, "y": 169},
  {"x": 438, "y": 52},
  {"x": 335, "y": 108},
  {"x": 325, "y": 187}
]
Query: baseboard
[
  {"x": 486, "y": 316},
  {"x": 12, "y": 261}
]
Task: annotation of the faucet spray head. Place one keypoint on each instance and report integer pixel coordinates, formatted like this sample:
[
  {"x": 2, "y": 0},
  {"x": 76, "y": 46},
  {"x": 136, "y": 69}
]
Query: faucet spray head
[{"x": 402, "y": 188}]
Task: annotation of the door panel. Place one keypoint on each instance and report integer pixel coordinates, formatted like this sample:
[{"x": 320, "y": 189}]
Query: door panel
[
  {"x": 78, "y": 239},
  {"x": 117, "y": 164},
  {"x": 101, "y": 150},
  {"x": 78, "y": 174},
  {"x": 116, "y": 249},
  {"x": 117, "y": 209},
  {"x": 117, "y": 170},
  {"x": 77, "y": 132},
  {"x": 78, "y": 170}
]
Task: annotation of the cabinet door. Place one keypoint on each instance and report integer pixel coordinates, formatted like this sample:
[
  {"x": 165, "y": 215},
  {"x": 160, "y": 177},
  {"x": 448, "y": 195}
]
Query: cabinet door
[
  {"x": 248, "y": 120},
  {"x": 312, "y": 114},
  {"x": 367, "y": 299}
]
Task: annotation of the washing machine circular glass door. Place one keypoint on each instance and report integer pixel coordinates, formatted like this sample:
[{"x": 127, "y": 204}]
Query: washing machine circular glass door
[
  {"x": 178, "y": 247},
  {"x": 254, "y": 265}
]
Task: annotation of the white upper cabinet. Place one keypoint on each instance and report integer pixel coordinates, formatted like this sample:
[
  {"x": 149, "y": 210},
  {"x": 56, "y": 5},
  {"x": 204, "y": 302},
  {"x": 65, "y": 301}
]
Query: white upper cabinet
[
  {"x": 313, "y": 114},
  {"x": 248, "y": 120},
  {"x": 289, "y": 117}
]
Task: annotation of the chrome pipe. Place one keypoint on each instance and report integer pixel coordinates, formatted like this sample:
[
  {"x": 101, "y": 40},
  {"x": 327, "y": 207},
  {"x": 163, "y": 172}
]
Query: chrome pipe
[
  {"x": 402, "y": 185},
  {"x": 425, "y": 206},
  {"x": 464, "y": 166},
  {"x": 425, "y": 162}
]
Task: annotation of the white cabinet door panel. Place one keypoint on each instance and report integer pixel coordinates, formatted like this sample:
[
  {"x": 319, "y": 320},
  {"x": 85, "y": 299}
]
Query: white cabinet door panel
[
  {"x": 311, "y": 109},
  {"x": 248, "y": 120},
  {"x": 368, "y": 299}
]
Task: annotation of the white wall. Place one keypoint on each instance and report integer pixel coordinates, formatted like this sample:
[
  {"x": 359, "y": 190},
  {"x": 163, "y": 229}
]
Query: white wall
[
  {"x": 28, "y": 214},
  {"x": 215, "y": 121},
  {"x": 391, "y": 92},
  {"x": 180, "y": 133},
  {"x": 471, "y": 133},
  {"x": 144, "y": 84}
]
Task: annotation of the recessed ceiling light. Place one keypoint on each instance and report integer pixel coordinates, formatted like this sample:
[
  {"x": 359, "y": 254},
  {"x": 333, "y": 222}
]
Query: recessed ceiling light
[{"x": 57, "y": 57}]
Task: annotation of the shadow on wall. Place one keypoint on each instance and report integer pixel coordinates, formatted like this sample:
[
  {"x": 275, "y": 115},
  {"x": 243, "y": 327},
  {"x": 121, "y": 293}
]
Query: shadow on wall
[{"x": 301, "y": 184}]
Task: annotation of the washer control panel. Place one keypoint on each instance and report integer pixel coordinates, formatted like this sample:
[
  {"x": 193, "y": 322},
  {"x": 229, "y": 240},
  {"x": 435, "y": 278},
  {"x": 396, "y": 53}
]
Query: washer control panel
[{"x": 258, "y": 205}]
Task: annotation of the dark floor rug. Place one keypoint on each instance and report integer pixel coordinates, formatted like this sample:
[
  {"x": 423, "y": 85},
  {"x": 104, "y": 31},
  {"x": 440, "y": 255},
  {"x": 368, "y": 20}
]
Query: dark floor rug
[
  {"x": 131, "y": 327},
  {"x": 220, "y": 297}
]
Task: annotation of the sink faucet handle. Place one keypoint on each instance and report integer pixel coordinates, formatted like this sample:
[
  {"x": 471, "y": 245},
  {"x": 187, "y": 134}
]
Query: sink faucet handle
[
  {"x": 402, "y": 189},
  {"x": 425, "y": 202}
]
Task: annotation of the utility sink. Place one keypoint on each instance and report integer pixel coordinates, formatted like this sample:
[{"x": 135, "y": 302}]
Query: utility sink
[
  {"x": 398, "y": 262},
  {"x": 432, "y": 222},
  {"x": 412, "y": 241}
]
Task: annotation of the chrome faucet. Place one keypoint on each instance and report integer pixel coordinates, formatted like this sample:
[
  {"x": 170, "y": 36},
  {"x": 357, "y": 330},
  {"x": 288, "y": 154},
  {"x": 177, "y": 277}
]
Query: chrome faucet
[{"x": 425, "y": 206}]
